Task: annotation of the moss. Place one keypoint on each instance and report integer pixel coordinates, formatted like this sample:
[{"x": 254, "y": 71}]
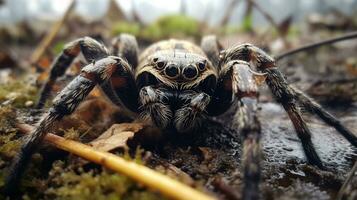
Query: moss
[
  {"x": 58, "y": 47},
  {"x": 125, "y": 27},
  {"x": 177, "y": 26},
  {"x": 9, "y": 146},
  {"x": 7, "y": 119},
  {"x": 17, "y": 93},
  {"x": 66, "y": 183}
]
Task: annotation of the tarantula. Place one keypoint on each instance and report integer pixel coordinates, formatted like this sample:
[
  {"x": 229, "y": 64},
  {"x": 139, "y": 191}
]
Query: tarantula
[{"x": 174, "y": 85}]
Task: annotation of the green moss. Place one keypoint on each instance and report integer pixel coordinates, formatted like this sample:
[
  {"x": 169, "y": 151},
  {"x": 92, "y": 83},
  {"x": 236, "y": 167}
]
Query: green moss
[
  {"x": 69, "y": 184},
  {"x": 8, "y": 146},
  {"x": 18, "y": 93},
  {"x": 229, "y": 30},
  {"x": 126, "y": 27},
  {"x": 7, "y": 119},
  {"x": 247, "y": 24},
  {"x": 177, "y": 26},
  {"x": 58, "y": 47},
  {"x": 170, "y": 26}
]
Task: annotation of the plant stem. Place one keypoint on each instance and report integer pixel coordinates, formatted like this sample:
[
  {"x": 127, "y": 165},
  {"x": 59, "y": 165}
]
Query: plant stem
[
  {"x": 348, "y": 36},
  {"x": 148, "y": 177}
]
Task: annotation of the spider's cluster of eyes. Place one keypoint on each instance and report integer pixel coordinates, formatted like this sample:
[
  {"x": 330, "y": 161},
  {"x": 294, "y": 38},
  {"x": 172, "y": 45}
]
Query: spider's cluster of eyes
[{"x": 173, "y": 71}]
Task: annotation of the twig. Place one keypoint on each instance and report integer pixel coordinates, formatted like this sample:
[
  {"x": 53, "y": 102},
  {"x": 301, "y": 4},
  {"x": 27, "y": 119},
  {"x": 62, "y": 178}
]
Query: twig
[
  {"x": 228, "y": 191},
  {"x": 265, "y": 14},
  {"x": 348, "y": 36},
  {"x": 45, "y": 43},
  {"x": 140, "y": 173},
  {"x": 270, "y": 19},
  {"x": 347, "y": 181},
  {"x": 232, "y": 5}
]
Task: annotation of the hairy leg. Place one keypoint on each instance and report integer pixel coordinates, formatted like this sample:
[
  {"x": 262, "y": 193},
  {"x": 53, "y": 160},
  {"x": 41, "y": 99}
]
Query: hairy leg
[
  {"x": 126, "y": 46},
  {"x": 284, "y": 95},
  {"x": 121, "y": 88},
  {"x": 91, "y": 50},
  {"x": 64, "y": 104},
  {"x": 280, "y": 89},
  {"x": 211, "y": 46},
  {"x": 315, "y": 108},
  {"x": 250, "y": 129}
]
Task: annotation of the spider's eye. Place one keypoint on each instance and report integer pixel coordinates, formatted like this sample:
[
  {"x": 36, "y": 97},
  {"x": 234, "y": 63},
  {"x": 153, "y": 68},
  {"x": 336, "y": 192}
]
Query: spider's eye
[
  {"x": 190, "y": 72},
  {"x": 172, "y": 71},
  {"x": 159, "y": 64},
  {"x": 202, "y": 65}
]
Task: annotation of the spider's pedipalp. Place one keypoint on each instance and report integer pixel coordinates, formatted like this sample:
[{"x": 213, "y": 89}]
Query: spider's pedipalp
[
  {"x": 188, "y": 117},
  {"x": 153, "y": 107}
]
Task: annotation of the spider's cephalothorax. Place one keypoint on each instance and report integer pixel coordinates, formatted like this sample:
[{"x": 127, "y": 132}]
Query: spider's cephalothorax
[
  {"x": 175, "y": 84},
  {"x": 175, "y": 81}
]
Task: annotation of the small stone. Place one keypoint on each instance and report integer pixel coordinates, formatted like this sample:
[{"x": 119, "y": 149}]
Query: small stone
[{"x": 29, "y": 103}]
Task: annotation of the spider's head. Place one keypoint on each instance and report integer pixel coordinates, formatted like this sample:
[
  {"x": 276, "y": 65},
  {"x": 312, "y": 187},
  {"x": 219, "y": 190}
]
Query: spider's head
[{"x": 177, "y": 69}]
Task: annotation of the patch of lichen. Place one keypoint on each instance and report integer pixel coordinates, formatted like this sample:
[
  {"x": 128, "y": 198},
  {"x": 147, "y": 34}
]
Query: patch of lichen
[{"x": 18, "y": 92}]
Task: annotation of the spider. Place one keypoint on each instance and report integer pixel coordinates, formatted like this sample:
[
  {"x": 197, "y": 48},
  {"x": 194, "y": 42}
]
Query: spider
[{"x": 175, "y": 85}]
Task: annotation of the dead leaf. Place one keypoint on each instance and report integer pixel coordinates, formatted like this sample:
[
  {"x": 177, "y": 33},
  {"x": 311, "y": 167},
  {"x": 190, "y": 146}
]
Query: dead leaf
[{"x": 116, "y": 136}]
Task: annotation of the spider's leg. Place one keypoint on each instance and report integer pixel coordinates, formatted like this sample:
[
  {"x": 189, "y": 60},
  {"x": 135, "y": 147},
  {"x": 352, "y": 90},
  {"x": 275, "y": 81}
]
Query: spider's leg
[
  {"x": 280, "y": 89},
  {"x": 126, "y": 46},
  {"x": 188, "y": 117},
  {"x": 211, "y": 46},
  {"x": 122, "y": 89},
  {"x": 238, "y": 83},
  {"x": 249, "y": 126},
  {"x": 154, "y": 106},
  {"x": 91, "y": 50},
  {"x": 285, "y": 95},
  {"x": 64, "y": 104},
  {"x": 315, "y": 108}
]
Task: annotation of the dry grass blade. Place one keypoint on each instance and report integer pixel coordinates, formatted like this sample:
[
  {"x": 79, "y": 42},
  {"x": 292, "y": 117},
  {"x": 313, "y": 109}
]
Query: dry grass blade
[
  {"x": 45, "y": 43},
  {"x": 140, "y": 173},
  {"x": 349, "y": 178}
]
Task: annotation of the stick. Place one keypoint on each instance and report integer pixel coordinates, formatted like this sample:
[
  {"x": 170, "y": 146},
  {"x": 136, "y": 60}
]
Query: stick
[
  {"x": 347, "y": 181},
  {"x": 348, "y": 36},
  {"x": 46, "y": 42},
  {"x": 270, "y": 19},
  {"x": 148, "y": 177}
]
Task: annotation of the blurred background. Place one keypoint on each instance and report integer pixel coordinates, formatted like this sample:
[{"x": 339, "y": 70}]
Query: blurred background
[{"x": 33, "y": 32}]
